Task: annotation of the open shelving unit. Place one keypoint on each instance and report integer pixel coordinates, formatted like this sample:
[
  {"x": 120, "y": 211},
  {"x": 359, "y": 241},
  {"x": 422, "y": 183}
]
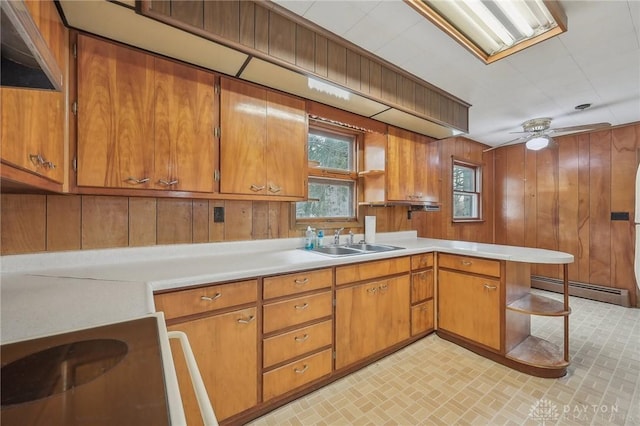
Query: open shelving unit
[{"x": 538, "y": 355}]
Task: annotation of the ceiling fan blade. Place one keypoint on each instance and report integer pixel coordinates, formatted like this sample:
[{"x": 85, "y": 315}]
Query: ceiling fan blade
[
  {"x": 507, "y": 143},
  {"x": 593, "y": 126}
]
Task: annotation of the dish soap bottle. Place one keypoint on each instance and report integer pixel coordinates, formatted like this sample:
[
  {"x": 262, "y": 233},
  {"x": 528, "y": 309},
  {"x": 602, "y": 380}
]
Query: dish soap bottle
[
  {"x": 320, "y": 238},
  {"x": 308, "y": 239}
]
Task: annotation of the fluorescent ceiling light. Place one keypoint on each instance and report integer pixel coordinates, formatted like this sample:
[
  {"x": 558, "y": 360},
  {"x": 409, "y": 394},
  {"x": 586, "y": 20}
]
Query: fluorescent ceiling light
[
  {"x": 327, "y": 88},
  {"x": 538, "y": 142},
  {"x": 493, "y": 29}
]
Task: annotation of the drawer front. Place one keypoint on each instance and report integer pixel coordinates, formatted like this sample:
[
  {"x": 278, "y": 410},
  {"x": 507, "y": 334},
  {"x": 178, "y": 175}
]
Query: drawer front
[
  {"x": 295, "y": 343},
  {"x": 284, "y": 285},
  {"x": 422, "y": 261},
  {"x": 188, "y": 302},
  {"x": 296, "y": 311},
  {"x": 369, "y": 270},
  {"x": 475, "y": 265},
  {"x": 422, "y": 317},
  {"x": 421, "y": 285},
  {"x": 296, "y": 374}
]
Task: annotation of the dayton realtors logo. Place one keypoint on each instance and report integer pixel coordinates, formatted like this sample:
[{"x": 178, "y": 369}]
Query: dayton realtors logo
[{"x": 545, "y": 412}]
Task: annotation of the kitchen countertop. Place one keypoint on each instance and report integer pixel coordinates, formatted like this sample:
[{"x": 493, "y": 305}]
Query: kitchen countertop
[{"x": 53, "y": 292}]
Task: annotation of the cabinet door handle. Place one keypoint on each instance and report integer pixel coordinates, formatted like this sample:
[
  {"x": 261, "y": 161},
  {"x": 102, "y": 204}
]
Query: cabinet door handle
[
  {"x": 256, "y": 188},
  {"x": 301, "y": 339},
  {"x": 49, "y": 165},
  {"x": 384, "y": 287},
  {"x": 247, "y": 321},
  {"x": 372, "y": 290},
  {"x": 303, "y": 281},
  {"x": 36, "y": 159},
  {"x": 301, "y": 370},
  {"x": 490, "y": 287},
  {"x": 301, "y": 307},
  {"x": 274, "y": 188},
  {"x": 135, "y": 181},
  {"x": 466, "y": 263},
  {"x": 211, "y": 299},
  {"x": 167, "y": 182}
]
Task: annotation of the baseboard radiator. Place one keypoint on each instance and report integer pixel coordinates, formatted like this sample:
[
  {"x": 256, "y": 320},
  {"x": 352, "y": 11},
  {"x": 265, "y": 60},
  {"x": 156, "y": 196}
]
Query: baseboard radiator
[{"x": 600, "y": 293}]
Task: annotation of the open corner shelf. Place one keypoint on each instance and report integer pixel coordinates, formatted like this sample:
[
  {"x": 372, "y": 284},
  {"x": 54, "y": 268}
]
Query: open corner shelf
[
  {"x": 538, "y": 352},
  {"x": 539, "y": 305}
]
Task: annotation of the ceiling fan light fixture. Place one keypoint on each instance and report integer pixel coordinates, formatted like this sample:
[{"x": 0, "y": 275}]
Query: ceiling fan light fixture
[{"x": 537, "y": 143}]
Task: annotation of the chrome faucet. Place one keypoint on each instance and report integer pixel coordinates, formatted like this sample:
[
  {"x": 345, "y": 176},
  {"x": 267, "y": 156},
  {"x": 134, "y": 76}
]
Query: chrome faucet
[
  {"x": 350, "y": 237},
  {"x": 336, "y": 236}
]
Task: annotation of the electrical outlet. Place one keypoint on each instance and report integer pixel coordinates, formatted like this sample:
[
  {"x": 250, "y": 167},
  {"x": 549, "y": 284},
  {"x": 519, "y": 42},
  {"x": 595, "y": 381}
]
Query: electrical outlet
[{"x": 218, "y": 214}]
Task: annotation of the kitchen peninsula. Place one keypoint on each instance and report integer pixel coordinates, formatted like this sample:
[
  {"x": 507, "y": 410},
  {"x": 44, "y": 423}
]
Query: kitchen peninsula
[{"x": 476, "y": 295}]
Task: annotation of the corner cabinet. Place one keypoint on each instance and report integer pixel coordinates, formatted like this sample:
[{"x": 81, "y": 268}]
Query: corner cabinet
[
  {"x": 486, "y": 305},
  {"x": 263, "y": 142},
  {"x": 32, "y": 130},
  {"x": 144, "y": 122}
]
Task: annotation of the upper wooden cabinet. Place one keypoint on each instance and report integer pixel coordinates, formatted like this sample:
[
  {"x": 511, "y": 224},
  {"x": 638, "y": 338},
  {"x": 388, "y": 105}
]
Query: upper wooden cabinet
[
  {"x": 263, "y": 145},
  {"x": 143, "y": 122},
  {"x": 32, "y": 135},
  {"x": 409, "y": 175},
  {"x": 401, "y": 167}
]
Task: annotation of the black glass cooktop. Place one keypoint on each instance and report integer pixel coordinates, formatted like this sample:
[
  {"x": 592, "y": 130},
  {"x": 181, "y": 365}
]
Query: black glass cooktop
[{"x": 109, "y": 375}]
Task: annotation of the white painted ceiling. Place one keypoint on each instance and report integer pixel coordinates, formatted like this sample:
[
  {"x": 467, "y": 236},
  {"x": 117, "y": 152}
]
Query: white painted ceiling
[{"x": 596, "y": 61}]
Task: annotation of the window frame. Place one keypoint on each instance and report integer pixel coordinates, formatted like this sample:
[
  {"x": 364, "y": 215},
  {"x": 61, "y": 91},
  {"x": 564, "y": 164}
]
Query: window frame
[
  {"x": 477, "y": 168},
  {"x": 329, "y": 174}
]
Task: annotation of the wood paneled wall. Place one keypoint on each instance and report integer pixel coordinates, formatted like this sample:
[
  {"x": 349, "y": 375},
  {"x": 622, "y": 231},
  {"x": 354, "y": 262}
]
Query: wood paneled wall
[
  {"x": 439, "y": 224},
  {"x": 39, "y": 223},
  {"x": 562, "y": 198}
]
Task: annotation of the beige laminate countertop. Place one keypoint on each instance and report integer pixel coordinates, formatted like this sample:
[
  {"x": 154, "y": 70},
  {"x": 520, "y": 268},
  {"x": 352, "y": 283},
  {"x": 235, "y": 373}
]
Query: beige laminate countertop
[{"x": 55, "y": 292}]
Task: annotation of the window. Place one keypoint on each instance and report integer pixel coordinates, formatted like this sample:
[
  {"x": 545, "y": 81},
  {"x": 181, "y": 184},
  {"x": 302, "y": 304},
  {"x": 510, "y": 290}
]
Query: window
[
  {"x": 332, "y": 176},
  {"x": 466, "y": 191}
]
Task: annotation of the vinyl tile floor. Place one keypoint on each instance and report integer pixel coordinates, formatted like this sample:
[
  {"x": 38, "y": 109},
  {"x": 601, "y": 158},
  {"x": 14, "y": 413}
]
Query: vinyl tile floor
[{"x": 435, "y": 382}]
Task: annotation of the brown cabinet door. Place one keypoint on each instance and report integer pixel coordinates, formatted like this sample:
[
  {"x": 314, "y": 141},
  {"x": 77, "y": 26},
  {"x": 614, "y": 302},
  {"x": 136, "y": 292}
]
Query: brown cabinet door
[
  {"x": 469, "y": 306},
  {"x": 400, "y": 152},
  {"x": 32, "y": 130},
  {"x": 185, "y": 156},
  {"x": 286, "y": 152},
  {"x": 225, "y": 348},
  {"x": 115, "y": 115},
  {"x": 371, "y": 317},
  {"x": 243, "y": 118}
]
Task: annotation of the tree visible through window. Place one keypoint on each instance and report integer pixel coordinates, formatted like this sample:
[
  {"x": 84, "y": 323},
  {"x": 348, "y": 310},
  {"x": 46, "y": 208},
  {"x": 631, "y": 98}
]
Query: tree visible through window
[
  {"x": 332, "y": 176},
  {"x": 466, "y": 191}
]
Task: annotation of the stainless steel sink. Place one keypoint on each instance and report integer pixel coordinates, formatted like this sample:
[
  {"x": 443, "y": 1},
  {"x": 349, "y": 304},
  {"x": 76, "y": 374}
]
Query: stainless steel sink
[
  {"x": 336, "y": 251},
  {"x": 373, "y": 247},
  {"x": 353, "y": 249}
]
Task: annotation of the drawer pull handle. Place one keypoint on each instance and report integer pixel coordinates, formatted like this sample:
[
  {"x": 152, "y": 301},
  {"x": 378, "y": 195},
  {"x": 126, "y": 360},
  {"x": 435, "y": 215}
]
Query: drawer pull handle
[
  {"x": 167, "y": 182},
  {"x": 466, "y": 263},
  {"x": 247, "y": 321},
  {"x": 301, "y": 282},
  {"x": 135, "y": 181},
  {"x": 372, "y": 290},
  {"x": 384, "y": 287},
  {"x": 490, "y": 287},
  {"x": 211, "y": 299},
  {"x": 256, "y": 188},
  {"x": 301, "y": 370},
  {"x": 301, "y": 339},
  {"x": 301, "y": 307},
  {"x": 274, "y": 188}
]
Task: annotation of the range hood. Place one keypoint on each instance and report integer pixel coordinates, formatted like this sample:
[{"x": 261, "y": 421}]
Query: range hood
[{"x": 26, "y": 58}]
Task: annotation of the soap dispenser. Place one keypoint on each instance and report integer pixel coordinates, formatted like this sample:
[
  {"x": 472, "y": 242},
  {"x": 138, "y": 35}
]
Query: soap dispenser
[{"x": 308, "y": 239}]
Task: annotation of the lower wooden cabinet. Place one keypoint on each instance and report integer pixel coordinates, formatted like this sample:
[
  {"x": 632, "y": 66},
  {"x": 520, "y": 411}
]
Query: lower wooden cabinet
[
  {"x": 422, "y": 317},
  {"x": 371, "y": 317},
  {"x": 469, "y": 306},
  {"x": 226, "y": 352}
]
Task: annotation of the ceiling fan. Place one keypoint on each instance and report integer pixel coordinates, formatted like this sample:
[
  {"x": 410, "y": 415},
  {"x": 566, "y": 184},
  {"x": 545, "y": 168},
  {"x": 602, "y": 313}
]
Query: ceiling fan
[{"x": 537, "y": 133}]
